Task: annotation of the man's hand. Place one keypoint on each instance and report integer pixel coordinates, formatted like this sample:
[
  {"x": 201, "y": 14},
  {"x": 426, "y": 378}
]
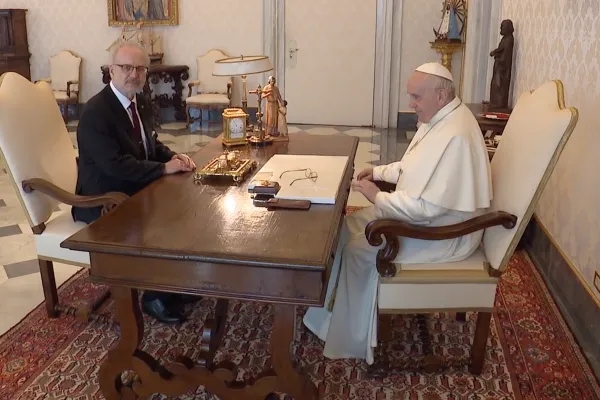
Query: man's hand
[
  {"x": 187, "y": 161},
  {"x": 366, "y": 174},
  {"x": 367, "y": 188},
  {"x": 177, "y": 164}
]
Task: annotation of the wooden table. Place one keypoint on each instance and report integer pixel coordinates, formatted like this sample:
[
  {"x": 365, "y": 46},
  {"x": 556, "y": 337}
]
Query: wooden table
[
  {"x": 209, "y": 240},
  {"x": 174, "y": 74},
  {"x": 487, "y": 124}
]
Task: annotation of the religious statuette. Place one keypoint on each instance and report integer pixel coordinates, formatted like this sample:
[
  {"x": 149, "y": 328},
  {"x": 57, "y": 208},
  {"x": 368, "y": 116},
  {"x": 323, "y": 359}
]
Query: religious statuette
[
  {"x": 234, "y": 127},
  {"x": 454, "y": 13},
  {"x": 228, "y": 165},
  {"x": 449, "y": 35},
  {"x": 503, "y": 55}
]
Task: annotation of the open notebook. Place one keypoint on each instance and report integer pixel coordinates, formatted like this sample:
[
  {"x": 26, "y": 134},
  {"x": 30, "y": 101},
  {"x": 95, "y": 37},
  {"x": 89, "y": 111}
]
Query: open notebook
[{"x": 302, "y": 177}]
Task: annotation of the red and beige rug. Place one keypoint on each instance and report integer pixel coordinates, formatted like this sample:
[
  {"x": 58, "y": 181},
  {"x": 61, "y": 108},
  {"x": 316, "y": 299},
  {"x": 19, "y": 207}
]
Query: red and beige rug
[{"x": 530, "y": 355}]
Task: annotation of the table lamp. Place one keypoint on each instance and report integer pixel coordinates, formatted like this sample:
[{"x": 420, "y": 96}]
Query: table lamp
[{"x": 243, "y": 66}]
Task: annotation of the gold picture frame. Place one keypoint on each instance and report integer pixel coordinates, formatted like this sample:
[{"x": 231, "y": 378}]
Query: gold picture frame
[{"x": 147, "y": 12}]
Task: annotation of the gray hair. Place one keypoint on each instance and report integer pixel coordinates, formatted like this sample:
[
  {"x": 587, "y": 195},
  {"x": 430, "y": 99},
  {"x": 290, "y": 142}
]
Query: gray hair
[
  {"x": 115, "y": 49},
  {"x": 444, "y": 84}
]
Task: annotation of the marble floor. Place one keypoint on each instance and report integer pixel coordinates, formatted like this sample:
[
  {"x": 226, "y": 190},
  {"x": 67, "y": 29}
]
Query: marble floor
[{"x": 20, "y": 283}]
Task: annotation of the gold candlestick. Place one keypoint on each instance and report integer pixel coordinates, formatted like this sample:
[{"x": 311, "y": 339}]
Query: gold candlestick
[{"x": 258, "y": 135}]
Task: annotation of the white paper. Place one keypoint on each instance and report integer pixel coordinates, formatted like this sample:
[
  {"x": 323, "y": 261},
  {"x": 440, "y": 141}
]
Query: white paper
[{"x": 328, "y": 169}]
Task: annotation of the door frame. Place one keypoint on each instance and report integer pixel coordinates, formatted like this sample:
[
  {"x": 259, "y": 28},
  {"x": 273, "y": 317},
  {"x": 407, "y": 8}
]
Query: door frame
[{"x": 387, "y": 62}]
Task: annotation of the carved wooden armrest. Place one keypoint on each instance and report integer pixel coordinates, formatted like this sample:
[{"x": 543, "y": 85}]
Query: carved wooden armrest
[
  {"x": 69, "y": 83},
  {"x": 392, "y": 229},
  {"x": 229, "y": 91},
  {"x": 191, "y": 86},
  {"x": 385, "y": 186},
  {"x": 108, "y": 200}
]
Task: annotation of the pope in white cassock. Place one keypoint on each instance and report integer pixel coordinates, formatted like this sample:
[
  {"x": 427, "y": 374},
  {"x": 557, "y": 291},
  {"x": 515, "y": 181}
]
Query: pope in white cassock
[{"x": 443, "y": 178}]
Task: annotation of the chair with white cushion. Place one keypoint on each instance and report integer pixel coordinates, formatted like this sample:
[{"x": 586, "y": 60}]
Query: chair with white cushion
[
  {"x": 65, "y": 78},
  {"x": 535, "y": 135},
  {"x": 212, "y": 92},
  {"x": 42, "y": 164}
]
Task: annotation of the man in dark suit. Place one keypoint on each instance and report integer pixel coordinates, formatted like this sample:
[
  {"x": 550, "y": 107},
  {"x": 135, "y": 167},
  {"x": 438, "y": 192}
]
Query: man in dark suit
[{"x": 119, "y": 151}]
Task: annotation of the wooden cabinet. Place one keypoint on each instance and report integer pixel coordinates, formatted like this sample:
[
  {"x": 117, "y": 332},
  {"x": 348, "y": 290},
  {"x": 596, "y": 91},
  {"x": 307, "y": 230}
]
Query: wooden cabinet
[{"x": 14, "y": 49}]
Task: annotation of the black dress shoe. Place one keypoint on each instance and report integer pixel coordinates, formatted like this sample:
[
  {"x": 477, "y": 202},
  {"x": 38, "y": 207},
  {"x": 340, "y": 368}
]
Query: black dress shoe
[{"x": 167, "y": 315}]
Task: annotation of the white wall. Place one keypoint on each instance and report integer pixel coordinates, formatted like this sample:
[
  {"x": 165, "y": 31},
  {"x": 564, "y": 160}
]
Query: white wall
[
  {"x": 419, "y": 17},
  {"x": 557, "y": 39},
  {"x": 233, "y": 26}
]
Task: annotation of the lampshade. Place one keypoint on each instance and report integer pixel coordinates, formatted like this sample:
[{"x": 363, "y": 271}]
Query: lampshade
[{"x": 244, "y": 65}]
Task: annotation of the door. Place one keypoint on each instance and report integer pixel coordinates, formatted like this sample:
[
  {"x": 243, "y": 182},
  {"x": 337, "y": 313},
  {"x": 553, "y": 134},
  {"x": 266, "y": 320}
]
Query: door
[{"x": 330, "y": 61}]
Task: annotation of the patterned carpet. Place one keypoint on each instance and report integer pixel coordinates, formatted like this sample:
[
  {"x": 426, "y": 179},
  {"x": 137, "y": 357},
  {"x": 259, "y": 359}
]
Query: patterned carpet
[{"x": 530, "y": 353}]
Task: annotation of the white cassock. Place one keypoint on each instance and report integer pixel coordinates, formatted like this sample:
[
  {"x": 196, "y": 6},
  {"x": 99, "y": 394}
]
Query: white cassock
[{"x": 444, "y": 178}]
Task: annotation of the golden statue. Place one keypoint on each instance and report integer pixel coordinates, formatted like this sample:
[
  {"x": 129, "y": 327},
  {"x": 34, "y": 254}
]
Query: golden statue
[{"x": 271, "y": 93}]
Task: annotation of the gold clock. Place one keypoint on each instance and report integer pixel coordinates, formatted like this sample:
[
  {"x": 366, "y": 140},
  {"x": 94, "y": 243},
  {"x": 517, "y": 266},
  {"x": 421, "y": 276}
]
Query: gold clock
[{"x": 234, "y": 127}]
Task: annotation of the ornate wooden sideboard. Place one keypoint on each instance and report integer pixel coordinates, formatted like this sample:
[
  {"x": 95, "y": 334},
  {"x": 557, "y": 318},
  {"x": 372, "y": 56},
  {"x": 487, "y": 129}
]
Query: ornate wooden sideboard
[
  {"x": 14, "y": 48},
  {"x": 174, "y": 74}
]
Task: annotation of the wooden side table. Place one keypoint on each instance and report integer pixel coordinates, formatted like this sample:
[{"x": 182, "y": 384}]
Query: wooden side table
[{"x": 486, "y": 124}]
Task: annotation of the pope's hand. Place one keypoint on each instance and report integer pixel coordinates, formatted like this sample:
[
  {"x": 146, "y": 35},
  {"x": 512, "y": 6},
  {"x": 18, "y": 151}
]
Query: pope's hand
[
  {"x": 366, "y": 173},
  {"x": 187, "y": 161},
  {"x": 367, "y": 188}
]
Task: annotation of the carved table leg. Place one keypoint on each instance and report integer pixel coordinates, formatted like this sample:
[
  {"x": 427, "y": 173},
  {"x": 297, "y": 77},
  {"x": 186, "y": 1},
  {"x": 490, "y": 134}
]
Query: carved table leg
[
  {"x": 212, "y": 333},
  {"x": 289, "y": 381},
  {"x": 121, "y": 358},
  {"x": 183, "y": 376}
]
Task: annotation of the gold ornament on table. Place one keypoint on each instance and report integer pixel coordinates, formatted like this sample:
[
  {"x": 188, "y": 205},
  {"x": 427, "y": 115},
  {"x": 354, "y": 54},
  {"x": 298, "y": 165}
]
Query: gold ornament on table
[
  {"x": 226, "y": 165},
  {"x": 449, "y": 35},
  {"x": 234, "y": 127},
  {"x": 259, "y": 136}
]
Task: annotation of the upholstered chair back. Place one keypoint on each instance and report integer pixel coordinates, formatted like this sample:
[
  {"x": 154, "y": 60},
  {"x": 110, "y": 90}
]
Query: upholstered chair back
[
  {"x": 34, "y": 142},
  {"x": 64, "y": 67},
  {"x": 208, "y": 82},
  {"x": 535, "y": 136}
]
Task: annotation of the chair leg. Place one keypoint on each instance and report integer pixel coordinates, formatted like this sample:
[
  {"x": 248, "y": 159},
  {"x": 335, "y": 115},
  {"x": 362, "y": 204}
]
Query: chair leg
[
  {"x": 187, "y": 115},
  {"x": 381, "y": 366},
  {"x": 49, "y": 286},
  {"x": 482, "y": 331},
  {"x": 64, "y": 112}
]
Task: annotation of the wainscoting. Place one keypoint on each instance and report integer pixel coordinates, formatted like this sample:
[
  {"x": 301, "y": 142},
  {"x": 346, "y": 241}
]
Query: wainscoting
[{"x": 578, "y": 307}]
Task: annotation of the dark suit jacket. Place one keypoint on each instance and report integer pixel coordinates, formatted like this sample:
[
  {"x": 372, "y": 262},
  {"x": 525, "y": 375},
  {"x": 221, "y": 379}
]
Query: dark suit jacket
[{"x": 110, "y": 159}]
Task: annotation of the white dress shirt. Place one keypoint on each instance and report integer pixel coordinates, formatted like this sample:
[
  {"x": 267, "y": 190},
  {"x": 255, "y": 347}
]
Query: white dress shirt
[{"x": 126, "y": 102}]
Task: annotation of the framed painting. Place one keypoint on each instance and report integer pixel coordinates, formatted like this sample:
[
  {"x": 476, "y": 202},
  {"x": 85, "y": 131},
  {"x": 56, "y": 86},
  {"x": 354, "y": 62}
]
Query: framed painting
[{"x": 146, "y": 12}]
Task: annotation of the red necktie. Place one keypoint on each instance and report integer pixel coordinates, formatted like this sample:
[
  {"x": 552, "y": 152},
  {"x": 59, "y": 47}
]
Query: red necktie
[{"x": 137, "y": 130}]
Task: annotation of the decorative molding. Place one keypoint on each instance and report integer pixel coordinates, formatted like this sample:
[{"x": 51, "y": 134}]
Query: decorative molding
[
  {"x": 383, "y": 62},
  {"x": 568, "y": 288}
]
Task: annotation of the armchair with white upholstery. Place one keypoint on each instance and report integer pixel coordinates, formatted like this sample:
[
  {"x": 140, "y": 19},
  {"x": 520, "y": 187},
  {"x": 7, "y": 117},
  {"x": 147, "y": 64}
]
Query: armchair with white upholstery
[
  {"x": 535, "y": 135},
  {"x": 65, "y": 78},
  {"x": 212, "y": 92},
  {"x": 42, "y": 165}
]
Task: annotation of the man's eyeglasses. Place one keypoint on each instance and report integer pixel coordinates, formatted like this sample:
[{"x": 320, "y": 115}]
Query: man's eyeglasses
[
  {"x": 141, "y": 69},
  {"x": 310, "y": 174}
]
